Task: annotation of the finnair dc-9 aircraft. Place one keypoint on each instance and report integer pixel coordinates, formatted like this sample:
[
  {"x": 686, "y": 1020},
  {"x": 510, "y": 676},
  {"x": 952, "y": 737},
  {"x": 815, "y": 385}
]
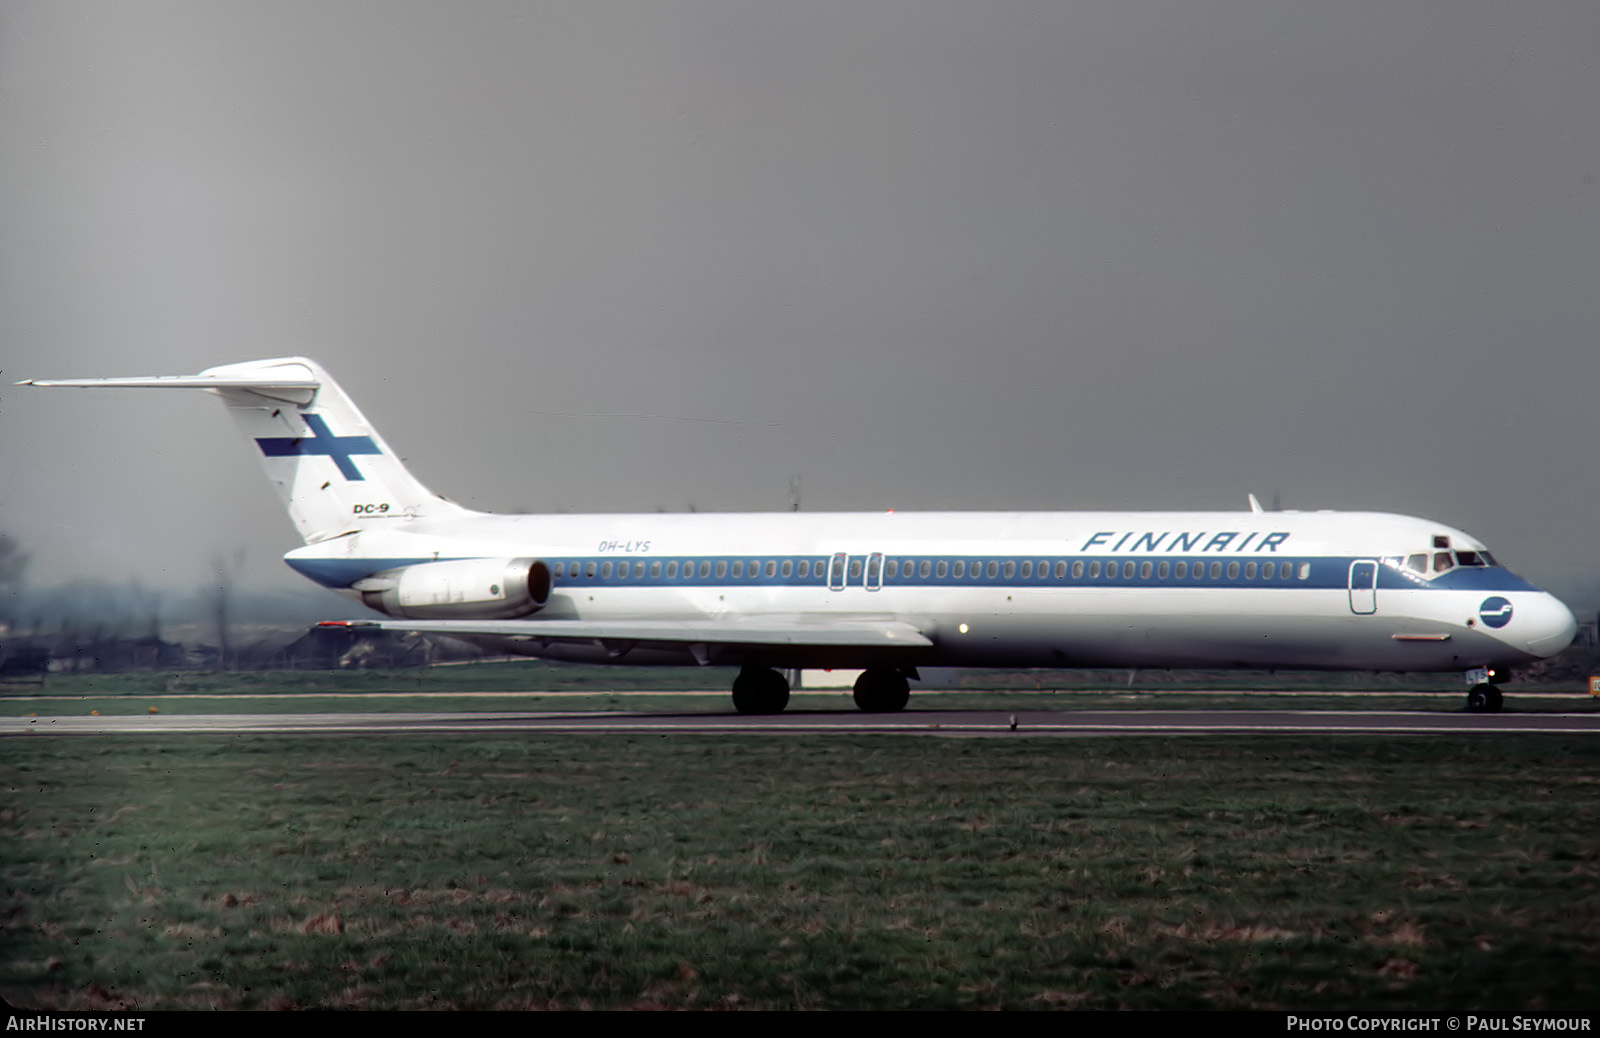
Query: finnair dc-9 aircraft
[{"x": 883, "y": 592}]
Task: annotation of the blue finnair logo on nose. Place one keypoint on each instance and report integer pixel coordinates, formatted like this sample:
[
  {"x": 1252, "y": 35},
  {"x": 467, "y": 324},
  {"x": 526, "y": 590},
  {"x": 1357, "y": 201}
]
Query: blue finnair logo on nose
[
  {"x": 1496, "y": 611},
  {"x": 321, "y": 441}
]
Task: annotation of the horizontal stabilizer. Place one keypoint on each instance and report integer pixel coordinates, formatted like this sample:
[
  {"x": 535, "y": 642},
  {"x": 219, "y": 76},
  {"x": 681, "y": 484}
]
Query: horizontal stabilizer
[{"x": 292, "y": 390}]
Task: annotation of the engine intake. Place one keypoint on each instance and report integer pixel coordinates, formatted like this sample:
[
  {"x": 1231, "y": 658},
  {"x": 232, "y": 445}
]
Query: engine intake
[{"x": 463, "y": 589}]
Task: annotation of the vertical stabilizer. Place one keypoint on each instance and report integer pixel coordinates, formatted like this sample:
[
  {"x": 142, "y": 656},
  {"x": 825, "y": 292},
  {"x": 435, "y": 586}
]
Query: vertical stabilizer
[{"x": 332, "y": 469}]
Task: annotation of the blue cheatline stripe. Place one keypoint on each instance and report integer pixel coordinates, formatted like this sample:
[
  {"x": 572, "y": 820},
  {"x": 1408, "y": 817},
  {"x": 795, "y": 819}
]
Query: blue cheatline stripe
[
  {"x": 323, "y": 442},
  {"x": 1033, "y": 571}
]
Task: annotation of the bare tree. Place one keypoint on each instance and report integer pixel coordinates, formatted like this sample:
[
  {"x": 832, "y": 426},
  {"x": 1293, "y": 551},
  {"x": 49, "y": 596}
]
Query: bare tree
[
  {"x": 13, "y": 562},
  {"x": 219, "y": 597}
]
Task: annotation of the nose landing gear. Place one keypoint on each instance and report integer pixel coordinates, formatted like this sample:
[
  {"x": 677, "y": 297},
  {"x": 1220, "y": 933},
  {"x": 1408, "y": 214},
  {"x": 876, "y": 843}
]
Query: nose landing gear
[{"x": 1483, "y": 699}]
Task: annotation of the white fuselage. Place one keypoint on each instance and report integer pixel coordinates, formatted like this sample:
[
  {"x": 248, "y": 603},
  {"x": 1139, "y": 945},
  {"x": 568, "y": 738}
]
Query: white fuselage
[{"x": 1126, "y": 589}]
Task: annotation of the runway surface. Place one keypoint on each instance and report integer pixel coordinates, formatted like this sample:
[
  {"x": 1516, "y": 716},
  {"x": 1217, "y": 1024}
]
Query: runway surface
[{"x": 928, "y": 722}]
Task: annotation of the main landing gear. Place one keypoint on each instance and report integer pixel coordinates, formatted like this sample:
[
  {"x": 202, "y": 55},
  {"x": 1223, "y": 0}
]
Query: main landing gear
[
  {"x": 879, "y": 690},
  {"x": 758, "y": 690},
  {"x": 882, "y": 690}
]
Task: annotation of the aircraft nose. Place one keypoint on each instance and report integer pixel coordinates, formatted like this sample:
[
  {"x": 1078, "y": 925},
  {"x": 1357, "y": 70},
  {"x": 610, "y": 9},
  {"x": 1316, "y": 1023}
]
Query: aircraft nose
[{"x": 1547, "y": 626}]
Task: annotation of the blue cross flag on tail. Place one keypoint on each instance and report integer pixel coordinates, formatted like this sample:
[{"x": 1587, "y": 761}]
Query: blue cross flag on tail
[{"x": 321, "y": 442}]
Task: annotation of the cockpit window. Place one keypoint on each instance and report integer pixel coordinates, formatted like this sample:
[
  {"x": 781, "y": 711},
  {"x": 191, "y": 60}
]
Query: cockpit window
[{"x": 1444, "y": 561}]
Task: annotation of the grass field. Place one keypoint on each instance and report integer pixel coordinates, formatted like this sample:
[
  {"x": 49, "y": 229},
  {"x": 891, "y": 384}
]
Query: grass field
[{"x": 802, "y": 872}]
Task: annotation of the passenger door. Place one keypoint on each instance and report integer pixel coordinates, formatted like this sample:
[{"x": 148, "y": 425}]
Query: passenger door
[{"x": 1364, "y": 586}]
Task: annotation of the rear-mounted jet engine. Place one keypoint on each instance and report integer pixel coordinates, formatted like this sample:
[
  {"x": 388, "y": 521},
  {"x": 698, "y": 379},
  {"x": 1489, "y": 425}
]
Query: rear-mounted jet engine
[{"x": 476, "y": 589}]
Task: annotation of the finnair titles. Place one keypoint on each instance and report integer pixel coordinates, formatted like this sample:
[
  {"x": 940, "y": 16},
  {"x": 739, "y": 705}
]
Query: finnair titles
[
  {"x": 886, "y": 593},
  {"x": 1186, "y": 542}
]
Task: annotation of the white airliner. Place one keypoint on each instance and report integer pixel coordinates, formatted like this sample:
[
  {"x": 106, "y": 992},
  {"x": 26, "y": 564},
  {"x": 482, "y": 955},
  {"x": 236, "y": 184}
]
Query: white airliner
[{"x": 884, "y": 592}]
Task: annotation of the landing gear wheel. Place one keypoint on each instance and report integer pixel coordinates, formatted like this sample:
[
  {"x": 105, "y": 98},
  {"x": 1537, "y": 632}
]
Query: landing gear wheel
[
  {"x": 882, "y": 690},
  {"x": 758, "y": 690},
  {"x": 1483, "y": 699}
]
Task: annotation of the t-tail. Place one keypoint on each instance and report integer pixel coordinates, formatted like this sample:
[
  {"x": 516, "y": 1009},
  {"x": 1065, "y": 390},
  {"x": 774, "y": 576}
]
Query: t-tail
[{"x": 330, "y": 466}]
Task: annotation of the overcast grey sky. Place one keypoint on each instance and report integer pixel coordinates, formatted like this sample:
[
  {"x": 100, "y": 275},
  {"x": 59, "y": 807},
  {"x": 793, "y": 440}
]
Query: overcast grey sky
[{"x": 923, "y": 255}]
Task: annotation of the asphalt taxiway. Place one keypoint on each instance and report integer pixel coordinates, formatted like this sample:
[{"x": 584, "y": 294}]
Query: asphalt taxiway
[{"x": 925, "y": 722}]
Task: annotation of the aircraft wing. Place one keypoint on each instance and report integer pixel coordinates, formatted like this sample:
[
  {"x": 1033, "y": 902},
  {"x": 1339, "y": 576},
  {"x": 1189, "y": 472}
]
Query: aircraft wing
[{"x": 624, "y": 634}]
